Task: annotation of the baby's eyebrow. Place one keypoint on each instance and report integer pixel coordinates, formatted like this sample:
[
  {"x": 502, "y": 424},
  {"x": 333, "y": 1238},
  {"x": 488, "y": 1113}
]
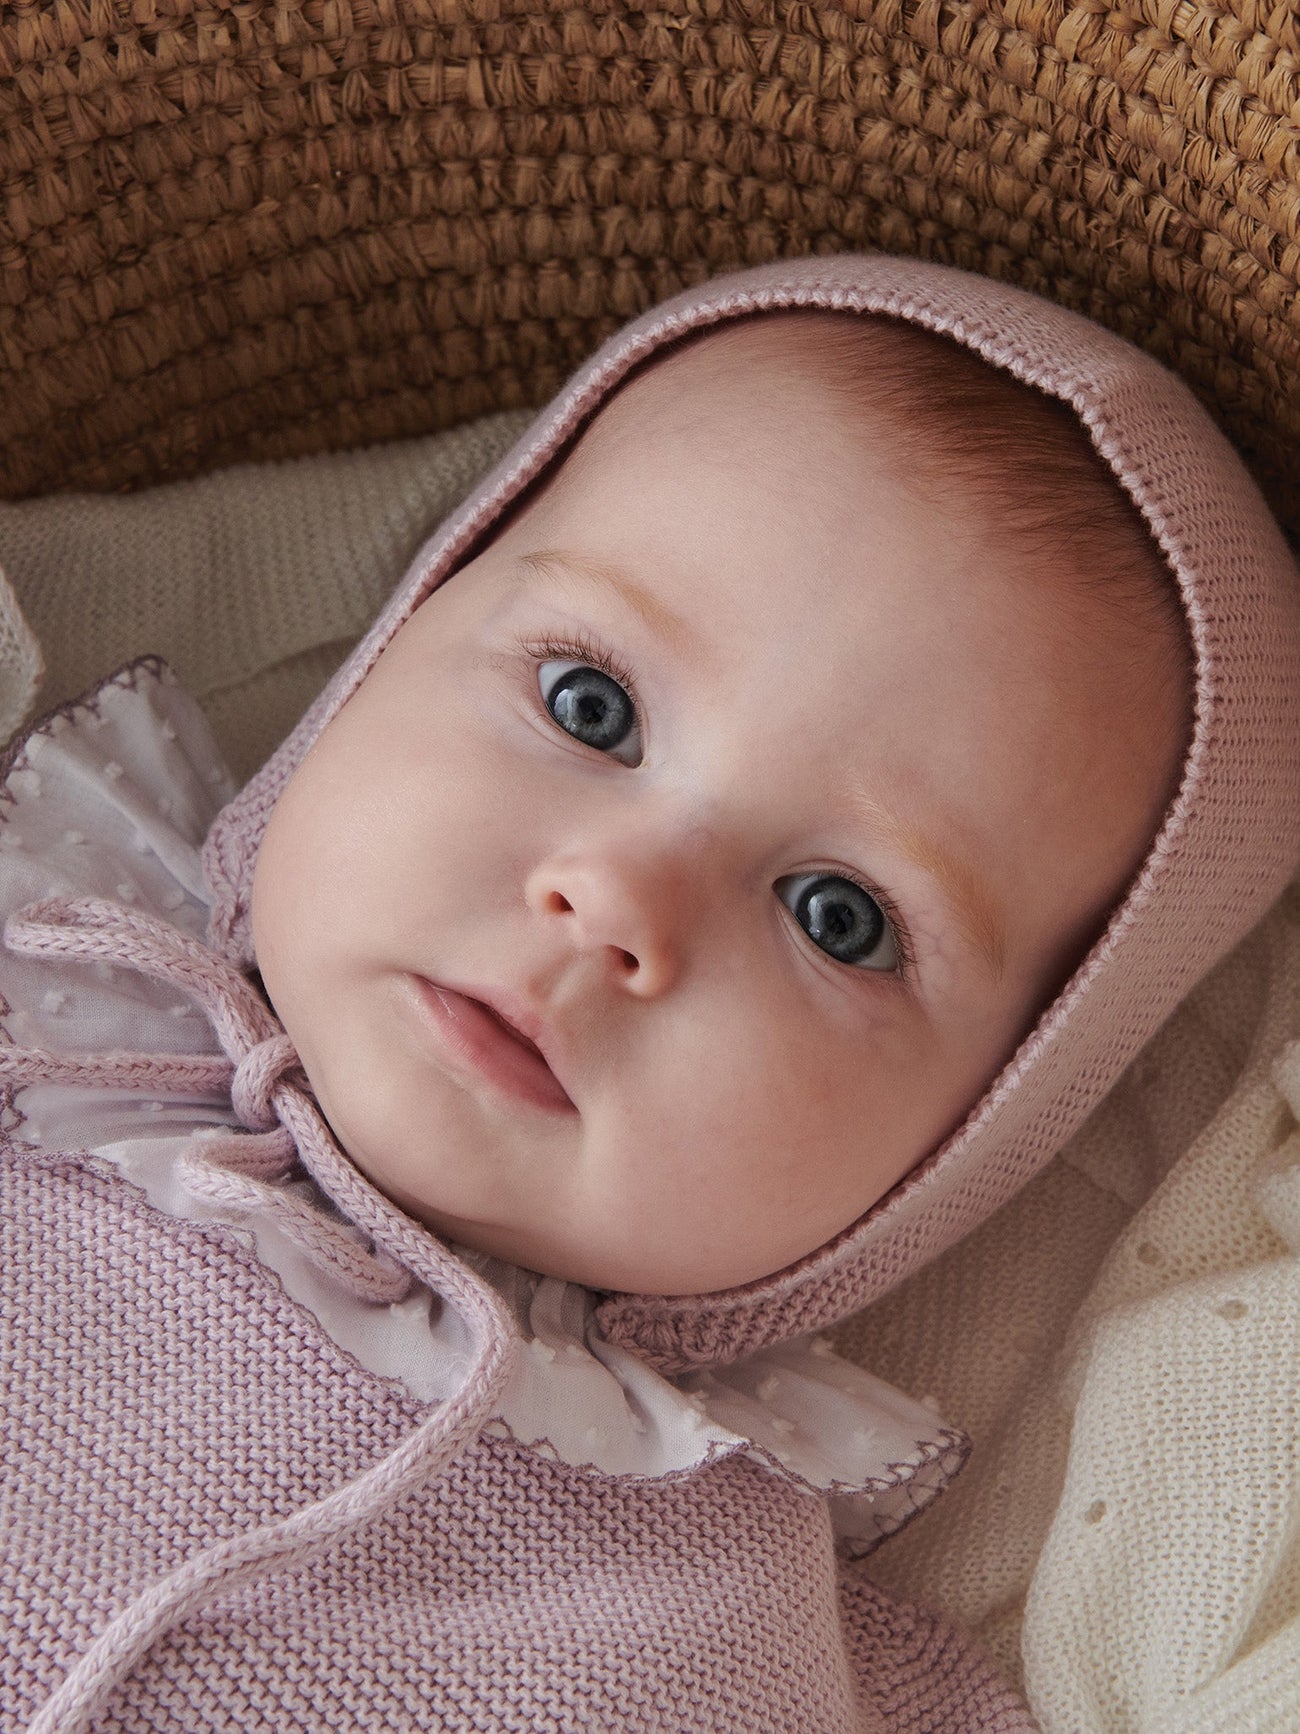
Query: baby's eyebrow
[
  {"x": 574, "y": 571},
  {"x": 968, "y": 898}
]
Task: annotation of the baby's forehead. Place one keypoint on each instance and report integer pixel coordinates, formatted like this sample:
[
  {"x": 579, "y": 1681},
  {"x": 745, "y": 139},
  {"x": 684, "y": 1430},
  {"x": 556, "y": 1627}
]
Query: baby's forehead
[
  {"x": 923, "y": 409},
  {"x": 758, "y": 376},
  {"x": 738, "y": 353},
  {"x": 788, "y": 340}
]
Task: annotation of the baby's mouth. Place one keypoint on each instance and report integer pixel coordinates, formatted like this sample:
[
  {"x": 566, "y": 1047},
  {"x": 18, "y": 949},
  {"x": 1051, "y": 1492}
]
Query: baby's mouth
[
  {"x": 509, "y": 1028},
  {"x": 476, "y": 1037}
]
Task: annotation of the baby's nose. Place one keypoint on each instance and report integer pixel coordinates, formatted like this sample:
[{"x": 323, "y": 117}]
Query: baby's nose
[{"x": 631, "y": 912}]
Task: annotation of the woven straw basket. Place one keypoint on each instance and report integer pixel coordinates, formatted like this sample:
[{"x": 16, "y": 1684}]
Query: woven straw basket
[{"x": 240, "y": 229}]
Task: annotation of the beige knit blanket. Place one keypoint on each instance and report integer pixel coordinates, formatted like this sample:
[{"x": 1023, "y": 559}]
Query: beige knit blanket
[{"x": 1122, "y": 1341}]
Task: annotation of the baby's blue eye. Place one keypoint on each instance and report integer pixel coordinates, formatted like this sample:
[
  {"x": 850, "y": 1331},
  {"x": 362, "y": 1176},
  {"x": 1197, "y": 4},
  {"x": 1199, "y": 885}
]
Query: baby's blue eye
[
  {"x": 587, "y": 703},
  {"x": 840, "y": 916},
  {"x": 844, "y": 920}
]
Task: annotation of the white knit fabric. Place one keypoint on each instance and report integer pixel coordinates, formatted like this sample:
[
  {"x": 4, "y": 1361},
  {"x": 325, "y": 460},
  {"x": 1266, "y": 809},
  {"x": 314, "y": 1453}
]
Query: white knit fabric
[
  {"x": 253, "y": 583},
  {"x": 1122, "y": 1340}
]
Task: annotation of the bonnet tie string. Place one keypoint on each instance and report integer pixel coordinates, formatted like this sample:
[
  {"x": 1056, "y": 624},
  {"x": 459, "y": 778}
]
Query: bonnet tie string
[
  {"x": 261, "y": 1070},
  {"x": 243, "y": 1171}
]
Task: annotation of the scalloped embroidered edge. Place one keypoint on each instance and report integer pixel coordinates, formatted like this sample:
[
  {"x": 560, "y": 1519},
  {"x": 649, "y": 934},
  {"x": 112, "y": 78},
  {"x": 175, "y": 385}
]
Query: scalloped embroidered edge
[
  {"x": 130, "y": 677},
  {"x": 949, "y": 1445}
]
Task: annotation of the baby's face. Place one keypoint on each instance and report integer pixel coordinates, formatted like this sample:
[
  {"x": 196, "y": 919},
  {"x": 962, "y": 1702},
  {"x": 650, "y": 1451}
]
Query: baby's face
[{"x": 782, "y": 891}]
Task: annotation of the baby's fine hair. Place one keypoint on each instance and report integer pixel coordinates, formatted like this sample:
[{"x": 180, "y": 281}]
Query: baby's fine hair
[{"x": 964, "y": 430}]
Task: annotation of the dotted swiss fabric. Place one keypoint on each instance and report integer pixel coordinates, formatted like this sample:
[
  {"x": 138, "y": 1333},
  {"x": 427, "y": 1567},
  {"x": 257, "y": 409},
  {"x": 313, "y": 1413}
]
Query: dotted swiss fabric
[{"x": 161, "y": 1392}]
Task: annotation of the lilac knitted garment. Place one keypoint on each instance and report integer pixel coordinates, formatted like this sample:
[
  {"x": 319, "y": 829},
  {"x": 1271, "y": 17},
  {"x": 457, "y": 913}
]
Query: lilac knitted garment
[
  {"x": 215, "y": 1519},
  {"x": 511, "y": 1593}
]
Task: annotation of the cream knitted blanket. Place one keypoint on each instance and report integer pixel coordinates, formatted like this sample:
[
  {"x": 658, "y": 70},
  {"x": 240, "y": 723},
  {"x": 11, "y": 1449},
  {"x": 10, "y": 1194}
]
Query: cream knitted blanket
[{"x": 1122, "y": 1341}]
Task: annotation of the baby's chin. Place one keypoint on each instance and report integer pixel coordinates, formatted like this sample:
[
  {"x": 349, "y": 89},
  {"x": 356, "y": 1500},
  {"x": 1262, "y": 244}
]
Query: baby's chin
[
  {"x": 491, "y": 1191},
  {"x": 614, "y": 1270},
  {"x": 665, "y": 1260},
  {"x": 653, "y": 1267}
]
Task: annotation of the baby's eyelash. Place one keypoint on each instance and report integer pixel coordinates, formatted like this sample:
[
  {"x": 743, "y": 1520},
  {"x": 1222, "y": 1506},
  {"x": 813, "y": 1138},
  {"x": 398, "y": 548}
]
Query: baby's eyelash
[
  {"x": 892, "y": 914},
  {"x": 588, "y": 651},
  {"x": 592, "y": 654}
]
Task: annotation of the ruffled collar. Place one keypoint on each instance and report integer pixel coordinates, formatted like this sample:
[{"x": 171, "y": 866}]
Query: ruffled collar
[{"x": 107, "y": 802}]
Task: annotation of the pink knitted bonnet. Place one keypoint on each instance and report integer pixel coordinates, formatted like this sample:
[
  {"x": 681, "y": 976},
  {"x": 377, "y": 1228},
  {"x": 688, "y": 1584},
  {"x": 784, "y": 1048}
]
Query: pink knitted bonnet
[{"x": 1228, "y": 843}]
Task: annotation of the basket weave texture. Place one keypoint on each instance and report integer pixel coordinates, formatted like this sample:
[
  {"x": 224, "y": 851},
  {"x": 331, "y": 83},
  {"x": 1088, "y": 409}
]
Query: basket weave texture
[{"x": 247, "y": 229}]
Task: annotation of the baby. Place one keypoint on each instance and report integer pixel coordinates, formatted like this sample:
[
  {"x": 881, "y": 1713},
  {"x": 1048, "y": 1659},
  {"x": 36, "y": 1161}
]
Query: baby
[
  {"x": 767, "y": 773},
  {"x": 765, "y": 821}
]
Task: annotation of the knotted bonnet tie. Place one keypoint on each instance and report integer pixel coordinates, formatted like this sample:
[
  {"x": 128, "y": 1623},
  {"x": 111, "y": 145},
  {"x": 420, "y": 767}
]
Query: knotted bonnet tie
[
  {"x": 376, "y": 1252},
  {"x": 244, "y": 1171}
]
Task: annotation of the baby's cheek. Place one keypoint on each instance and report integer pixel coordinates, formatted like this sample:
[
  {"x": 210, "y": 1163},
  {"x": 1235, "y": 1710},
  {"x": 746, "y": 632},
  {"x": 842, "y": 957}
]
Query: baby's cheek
[
  {"x": 275, "y": 914},
  {"x": 745, "y": 1146}
]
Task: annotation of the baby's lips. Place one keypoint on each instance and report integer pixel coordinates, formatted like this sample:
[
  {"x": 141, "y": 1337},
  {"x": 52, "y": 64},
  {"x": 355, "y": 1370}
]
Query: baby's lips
[{"x": 521, "y": 1022}]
